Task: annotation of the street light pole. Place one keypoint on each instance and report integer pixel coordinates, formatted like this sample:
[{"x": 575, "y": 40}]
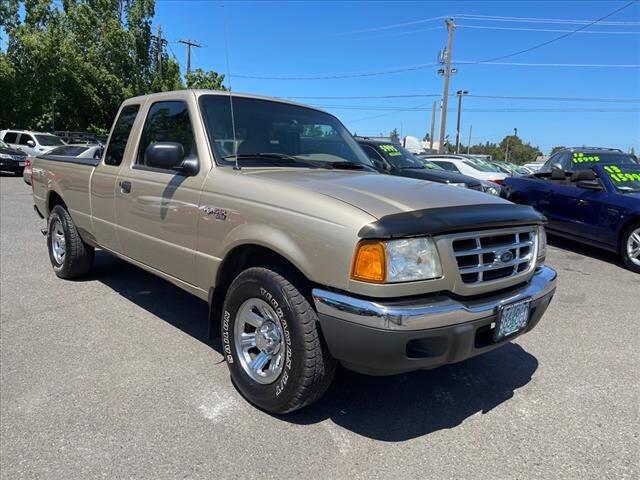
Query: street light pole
[{"x": 460, "y": 93}]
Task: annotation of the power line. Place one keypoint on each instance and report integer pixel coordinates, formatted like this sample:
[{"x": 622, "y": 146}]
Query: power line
[
  {"x": 338, "y": 75},
  {"x": 498, "y": 18},
  {"x": 526, "y": 64},
  {"x": 506, "y": 97},
  {"x": 522, "y": 29},
  {"x": 378, "y": 29},
  {"x": 422, "y": 108},
  {"x": 553, "y": 40}
]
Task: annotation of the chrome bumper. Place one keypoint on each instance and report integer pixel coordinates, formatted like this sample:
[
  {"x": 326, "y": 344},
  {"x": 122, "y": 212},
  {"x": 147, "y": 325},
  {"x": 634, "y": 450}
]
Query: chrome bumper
[{"x": 428, "y": 312}]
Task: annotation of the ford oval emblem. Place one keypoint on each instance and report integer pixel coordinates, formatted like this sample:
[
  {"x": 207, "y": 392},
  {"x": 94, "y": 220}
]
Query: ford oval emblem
[{"x": 506, "y": 256}]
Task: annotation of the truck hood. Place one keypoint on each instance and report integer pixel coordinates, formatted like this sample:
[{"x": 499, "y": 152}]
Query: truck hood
[{"x": 377, "y": 194}]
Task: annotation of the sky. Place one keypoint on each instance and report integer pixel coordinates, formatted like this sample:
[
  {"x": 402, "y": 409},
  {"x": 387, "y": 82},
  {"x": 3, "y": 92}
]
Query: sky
[{"x": 306, "y": 39}]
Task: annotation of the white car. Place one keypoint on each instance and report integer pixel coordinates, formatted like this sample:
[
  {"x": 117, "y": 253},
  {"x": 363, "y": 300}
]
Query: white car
[
  {"x": 474, "y": 167},
  {"x": 32, "y": 143},
  {"x": 534, "y": 167}
]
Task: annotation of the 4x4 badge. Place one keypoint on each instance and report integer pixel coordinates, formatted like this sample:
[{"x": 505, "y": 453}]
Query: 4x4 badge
[{"x": 218, "y": 213}]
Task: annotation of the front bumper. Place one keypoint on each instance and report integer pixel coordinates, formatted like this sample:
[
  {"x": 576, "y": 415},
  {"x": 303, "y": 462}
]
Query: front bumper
[{"x": 385, "y": 338}]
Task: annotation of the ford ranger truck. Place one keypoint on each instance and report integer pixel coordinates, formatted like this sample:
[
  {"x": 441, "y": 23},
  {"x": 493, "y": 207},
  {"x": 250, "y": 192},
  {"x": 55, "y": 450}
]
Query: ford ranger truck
[{"x": 271, "y": 212}]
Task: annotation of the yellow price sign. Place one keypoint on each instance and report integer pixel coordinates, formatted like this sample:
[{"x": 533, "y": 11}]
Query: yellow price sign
[{"x": 390, "y": 150}]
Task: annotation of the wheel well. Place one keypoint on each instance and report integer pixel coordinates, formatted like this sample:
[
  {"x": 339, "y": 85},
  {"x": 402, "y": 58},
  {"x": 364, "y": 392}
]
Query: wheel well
[
  {"x": 53, "y": 200},
  {"x": 247, "y": 256}
]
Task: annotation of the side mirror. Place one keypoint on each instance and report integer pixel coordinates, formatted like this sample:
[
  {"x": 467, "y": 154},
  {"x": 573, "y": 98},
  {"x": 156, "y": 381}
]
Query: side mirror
[
  {"x": 170, "y": 156},
  {"x": 589, "y": 184},
  {"x": 557, "y": 173},
  {"x": 31, "y": 143}
]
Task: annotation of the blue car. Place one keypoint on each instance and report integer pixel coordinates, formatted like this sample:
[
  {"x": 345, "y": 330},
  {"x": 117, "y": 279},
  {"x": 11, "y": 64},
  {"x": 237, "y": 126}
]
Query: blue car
[{"x": 592, "y": 201}]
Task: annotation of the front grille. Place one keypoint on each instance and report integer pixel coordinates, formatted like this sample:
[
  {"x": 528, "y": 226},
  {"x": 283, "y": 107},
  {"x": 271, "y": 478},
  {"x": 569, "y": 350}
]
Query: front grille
[{"x": 486, "y": 256}]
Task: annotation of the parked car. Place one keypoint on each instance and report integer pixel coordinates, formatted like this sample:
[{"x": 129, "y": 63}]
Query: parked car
[
  {"x": 305, "y": 254},
  {"x": 583, "y": 158},
  {"x": 599, "y": 206},
  {"x": 467, "y": 165},
  {"x": 11, "y": 159},
  {"x": 393, "y": 159},
  {"x": 534, "y": 166},
  {"x": 78, "y": 151},
  {"x": 31, "y": 143},
  {"x": 510, "y": 168}
]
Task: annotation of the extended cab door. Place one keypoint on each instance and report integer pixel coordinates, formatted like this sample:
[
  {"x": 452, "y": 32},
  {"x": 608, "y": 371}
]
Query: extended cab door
[
  {"x": 157, "y": 208},
  {"x": 103, "y": 181}
]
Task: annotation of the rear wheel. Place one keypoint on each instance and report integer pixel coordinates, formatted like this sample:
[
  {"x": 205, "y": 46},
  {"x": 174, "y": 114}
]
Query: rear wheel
[
  {"x": 630, "y": 247},
  {"x": 69, "y": 255},
  {"x": 275, "y": 355}
]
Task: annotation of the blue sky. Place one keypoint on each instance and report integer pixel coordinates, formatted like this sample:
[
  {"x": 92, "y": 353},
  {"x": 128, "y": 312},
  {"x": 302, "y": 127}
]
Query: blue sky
[{"x": 306, "y": 39}]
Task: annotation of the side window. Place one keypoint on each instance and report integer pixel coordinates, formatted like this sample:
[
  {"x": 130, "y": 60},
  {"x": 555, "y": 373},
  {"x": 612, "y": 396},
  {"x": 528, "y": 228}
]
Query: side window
[
  {"x": 120, "y": 135},
  {"x": 10, "y": 137},
  {"x": 24, "y": 138},
  {"x": 565, "y": 161},
  {"x": 167, "y": 122},
  {"x": 373, "y": 156}
]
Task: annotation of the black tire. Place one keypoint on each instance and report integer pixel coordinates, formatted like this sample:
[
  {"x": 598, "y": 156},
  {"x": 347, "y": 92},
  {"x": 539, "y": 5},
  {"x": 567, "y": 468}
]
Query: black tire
[
  {"x": 628, "y": 262},
  {"x": 308, "y": 367},
  {"x": 78, "y": 256}
]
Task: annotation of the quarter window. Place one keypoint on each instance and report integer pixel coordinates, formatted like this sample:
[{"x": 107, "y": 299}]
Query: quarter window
[
  {"x": 10, "y": 137},
  {"x": 120, "y": 135},
  {"x": 167, "y": 122}
]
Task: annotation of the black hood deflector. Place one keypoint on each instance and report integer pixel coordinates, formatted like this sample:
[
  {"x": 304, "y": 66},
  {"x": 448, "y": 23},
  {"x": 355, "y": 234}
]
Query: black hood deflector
[{"x": 437, "y": 221}]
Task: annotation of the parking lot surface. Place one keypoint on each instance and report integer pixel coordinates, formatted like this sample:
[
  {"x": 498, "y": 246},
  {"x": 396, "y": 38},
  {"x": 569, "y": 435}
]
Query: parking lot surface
[{"x": 113, "y": 377}]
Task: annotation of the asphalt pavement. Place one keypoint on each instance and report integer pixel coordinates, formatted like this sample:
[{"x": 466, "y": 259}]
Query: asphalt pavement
[{"x": 112, "y": 377}]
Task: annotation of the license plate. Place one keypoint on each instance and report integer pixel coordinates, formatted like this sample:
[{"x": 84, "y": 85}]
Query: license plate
[
  {"x": 512, "y": 318},
  {"x": 21, "y": 164}
]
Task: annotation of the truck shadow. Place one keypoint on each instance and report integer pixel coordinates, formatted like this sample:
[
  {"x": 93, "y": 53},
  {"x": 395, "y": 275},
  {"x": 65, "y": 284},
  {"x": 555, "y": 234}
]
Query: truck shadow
[
  {"x": 390, "y": 409},
  {"x": 402, "y": 407}
]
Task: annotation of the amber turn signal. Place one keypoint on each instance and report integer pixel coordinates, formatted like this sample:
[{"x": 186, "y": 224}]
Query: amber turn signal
[{"x": 369, "y": 263}]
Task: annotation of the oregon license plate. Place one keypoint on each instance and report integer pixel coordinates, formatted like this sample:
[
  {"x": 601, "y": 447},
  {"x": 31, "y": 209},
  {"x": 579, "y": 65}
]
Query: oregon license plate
[{"x": 512, "y": 318}]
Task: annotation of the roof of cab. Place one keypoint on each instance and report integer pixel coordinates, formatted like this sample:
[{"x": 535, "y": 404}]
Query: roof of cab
[{"x": 200, "y": 92}]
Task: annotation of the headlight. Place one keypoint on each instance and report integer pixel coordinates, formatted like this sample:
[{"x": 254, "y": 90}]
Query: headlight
[
  {"x": 463, "y": 185},
  {"x": 4, "y": 155},
  {"x": 541, "y": 242},
  {"x": 392, "y": 261},
  {"x": 492, "y": 188}
]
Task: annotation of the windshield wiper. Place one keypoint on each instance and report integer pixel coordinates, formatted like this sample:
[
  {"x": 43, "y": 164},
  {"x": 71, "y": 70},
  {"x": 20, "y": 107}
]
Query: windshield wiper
[
  {"x": 344, "y": 165},
  {"x": 272, "y": 156}
]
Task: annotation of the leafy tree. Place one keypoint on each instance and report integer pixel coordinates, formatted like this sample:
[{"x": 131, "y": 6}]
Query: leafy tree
[
  {"x": 556, "y": 149},
  {"x": 208, "y": 80},
  {"x": 394, "y": 136},
  {"x": 70, "y": 63}
]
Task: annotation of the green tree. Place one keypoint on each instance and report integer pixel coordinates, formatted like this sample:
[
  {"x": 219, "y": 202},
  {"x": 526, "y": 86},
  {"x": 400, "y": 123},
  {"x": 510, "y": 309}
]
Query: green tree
[
  {"x": 207, "y": 80},
  {"x": 394, "y": 136},
  {"x": 556, "y": 149},
  {"x": 72, "y": 62}
]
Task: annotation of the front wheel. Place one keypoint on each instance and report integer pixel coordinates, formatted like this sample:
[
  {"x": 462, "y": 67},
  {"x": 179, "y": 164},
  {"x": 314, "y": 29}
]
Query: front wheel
[
  {"x": 271, "y": 342},
  {"x": 630, "y": 247}
]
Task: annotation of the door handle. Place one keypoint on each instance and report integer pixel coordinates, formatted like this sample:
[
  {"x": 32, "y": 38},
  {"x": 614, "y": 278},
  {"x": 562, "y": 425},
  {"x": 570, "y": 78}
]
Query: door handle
[{"x": 125, "y": 186}]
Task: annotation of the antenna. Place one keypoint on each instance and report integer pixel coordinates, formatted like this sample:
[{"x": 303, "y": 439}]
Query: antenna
[{"x": 226, "y": 54}]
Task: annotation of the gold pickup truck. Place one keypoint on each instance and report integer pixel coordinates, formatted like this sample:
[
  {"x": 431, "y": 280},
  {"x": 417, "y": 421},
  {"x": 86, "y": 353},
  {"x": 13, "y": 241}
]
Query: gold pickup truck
[{"x": 271, "y": 212}]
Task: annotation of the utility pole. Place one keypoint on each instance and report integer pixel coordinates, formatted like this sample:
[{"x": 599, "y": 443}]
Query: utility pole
[
  {"x": 433, "y": 126},
  {"x": 447, "y": 73},
  {"x": 189, "y": 44},
  {"x": 469, "y": 144},
  {"x": 160, "y": 42},
  {"x": 460, "y": 93}
]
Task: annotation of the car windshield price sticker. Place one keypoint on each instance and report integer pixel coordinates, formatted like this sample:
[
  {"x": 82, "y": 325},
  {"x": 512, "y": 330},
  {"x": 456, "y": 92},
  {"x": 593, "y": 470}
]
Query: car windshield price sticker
[
  {"x": 580, "y": 157},
  {"x": 617, "y": 175},
  {"x": 390, "y": 150}
]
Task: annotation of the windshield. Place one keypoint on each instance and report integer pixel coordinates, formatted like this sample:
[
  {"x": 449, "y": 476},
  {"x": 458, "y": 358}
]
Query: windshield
[
  {"x": 585, "y": 160},
  {"x": 399, "y": 157},
  {"x": 279, "y": 129},
  {"x": 625, "y": 178},
  {"x": 49, "y": 140},
  {"x": 480, "y": 165},
  {"x": 431, "y": 165}
]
